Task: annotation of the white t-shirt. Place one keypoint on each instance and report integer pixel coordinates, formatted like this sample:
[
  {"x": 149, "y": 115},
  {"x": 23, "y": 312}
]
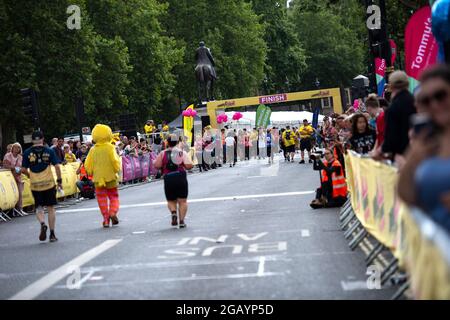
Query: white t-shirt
[{"x": 229, "y": 141}]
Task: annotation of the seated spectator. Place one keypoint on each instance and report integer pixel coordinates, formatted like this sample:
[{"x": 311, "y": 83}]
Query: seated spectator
[
  {"x": 424, "y": 180},
  {"x": 85, "y": 184},
  {"x": 363, "y": 138},
  {"x": 69, "y": 157},
  {"x": 333, "y": 188}
]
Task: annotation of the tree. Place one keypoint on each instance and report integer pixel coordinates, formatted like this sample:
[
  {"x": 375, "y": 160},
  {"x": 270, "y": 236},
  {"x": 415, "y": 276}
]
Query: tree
[
  {"x": 335, "y": 53},
  {"x": 235, "y": 35},
  {"x": 286, "y": 59}
]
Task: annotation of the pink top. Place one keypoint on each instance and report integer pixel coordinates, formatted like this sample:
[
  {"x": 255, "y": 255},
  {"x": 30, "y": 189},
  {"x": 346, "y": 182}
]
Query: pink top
[
  {"x": 162, "y": 160},
  {"x": 11, "y": 162}
]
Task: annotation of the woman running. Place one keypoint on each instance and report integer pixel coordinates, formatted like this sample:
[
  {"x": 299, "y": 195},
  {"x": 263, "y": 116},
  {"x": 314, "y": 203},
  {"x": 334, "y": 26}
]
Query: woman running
[{"x": 174, "y": 162}]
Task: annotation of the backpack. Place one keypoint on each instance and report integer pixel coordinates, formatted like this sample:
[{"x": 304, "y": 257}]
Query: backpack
[{"x": 170, "y": 165}]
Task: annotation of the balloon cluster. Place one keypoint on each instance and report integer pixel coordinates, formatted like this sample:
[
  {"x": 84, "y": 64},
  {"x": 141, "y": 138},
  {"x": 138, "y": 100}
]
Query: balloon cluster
[
  {"x": 356, "y": 104},
  {"x": 222, "y": 118},
  {"x": 189, "y": 113},
  {"x": 237, "y": 116}
]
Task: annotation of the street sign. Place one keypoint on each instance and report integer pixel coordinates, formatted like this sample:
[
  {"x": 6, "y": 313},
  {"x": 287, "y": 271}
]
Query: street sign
[
  {"x": 27, "y": 138},
  {"x": 86, "y": 130}
]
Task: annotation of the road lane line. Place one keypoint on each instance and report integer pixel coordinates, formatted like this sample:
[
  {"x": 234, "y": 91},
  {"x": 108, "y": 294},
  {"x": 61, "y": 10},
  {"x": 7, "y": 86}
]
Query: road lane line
[
  {"x": 262, "y": 261},
  {"x": 44, "y": 283},
  {"x": 305, "y": 233},
  {"x": 240, "y": 197},
  {"x": 190, "y": 278}
]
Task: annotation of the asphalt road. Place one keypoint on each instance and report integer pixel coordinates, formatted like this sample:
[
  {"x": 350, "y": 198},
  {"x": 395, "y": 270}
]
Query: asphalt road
[{"x": 250, "y": 235}]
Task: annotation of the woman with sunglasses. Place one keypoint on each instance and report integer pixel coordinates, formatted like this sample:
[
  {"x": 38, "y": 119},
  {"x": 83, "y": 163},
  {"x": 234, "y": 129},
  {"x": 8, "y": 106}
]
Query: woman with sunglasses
[{"x": 425, "y": 178}]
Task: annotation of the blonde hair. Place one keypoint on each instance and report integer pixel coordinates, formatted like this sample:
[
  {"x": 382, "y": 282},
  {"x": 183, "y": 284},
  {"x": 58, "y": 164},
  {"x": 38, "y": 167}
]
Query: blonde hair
[{"x": 16, "y": 145}]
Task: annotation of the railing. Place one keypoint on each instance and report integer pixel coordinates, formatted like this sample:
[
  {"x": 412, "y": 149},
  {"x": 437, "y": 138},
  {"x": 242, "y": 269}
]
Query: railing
[{"x": 419, "y": 246}]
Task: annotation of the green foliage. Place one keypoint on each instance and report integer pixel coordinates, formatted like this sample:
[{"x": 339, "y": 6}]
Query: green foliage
[{"x": 137, "y": 56}]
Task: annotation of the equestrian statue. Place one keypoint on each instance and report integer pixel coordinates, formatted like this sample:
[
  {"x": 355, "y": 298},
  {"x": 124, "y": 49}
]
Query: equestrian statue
[{"x": 205, "y": 73}]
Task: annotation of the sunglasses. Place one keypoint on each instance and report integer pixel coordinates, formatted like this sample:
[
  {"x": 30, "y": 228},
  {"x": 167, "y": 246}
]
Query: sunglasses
[{"x": 438, "y": 96}]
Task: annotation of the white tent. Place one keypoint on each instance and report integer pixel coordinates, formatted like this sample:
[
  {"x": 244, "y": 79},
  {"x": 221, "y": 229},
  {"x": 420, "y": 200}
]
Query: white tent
[{"x": 279, "y": 118}]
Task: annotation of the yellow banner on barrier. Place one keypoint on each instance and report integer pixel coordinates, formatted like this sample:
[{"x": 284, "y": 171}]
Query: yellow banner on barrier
[
  {"x": 372, "y": 186},
  {"x": 9, "y": 194},
  {"x": 374, "y": 199}
]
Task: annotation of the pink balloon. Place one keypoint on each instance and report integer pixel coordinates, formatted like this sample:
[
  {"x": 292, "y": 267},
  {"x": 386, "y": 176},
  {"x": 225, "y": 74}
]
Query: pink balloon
[
  {"x": 237, "y": 116},
  {"x": 193, "y": 112},
  {"x": 356, "y": 104},
  {"x": 184, "y": 113}
]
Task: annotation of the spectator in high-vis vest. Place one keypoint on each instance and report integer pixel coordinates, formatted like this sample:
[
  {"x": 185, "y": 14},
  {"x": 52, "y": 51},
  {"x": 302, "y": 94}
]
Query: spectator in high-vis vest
[{"x": 333, "y": 188}]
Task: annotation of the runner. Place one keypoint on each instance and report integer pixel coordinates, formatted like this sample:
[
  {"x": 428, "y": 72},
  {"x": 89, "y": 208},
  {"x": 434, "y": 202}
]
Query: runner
[
  {"x": 289, "y": 143},
  {"x": 103, "y": 163},
  {"x": 36, "y": 165},
  {"x": 174, "y": 162},
  {"x": 305, "y": 133}
]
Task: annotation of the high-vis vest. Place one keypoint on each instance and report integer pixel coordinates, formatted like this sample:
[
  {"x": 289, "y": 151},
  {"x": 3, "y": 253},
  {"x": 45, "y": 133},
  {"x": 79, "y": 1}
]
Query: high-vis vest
[
  {"x": 338, "y": 181},
  {"x": 84, "y": 174}
]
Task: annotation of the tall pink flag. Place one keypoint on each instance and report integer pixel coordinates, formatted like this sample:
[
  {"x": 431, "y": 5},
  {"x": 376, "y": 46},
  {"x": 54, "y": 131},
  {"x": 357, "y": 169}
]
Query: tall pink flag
[{"x": 421, "y": 48}]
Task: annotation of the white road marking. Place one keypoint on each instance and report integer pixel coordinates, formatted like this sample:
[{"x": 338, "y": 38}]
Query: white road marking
[
  {"x": 96, "y": 278},
  {"x": 153, "y": 204},
  {"x": 196, "y": 278},
  {"x": 262, "y": 261},
  {"x": 305, "y": 233},
  {"x": 354, "y": 285},
  {"x": 44, "y": 283},
  {"x": 139, "y": 232}
]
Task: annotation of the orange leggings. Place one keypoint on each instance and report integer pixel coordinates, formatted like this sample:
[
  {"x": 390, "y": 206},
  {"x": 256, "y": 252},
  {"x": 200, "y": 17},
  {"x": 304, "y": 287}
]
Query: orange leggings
[{"x": 103, "y": 195}]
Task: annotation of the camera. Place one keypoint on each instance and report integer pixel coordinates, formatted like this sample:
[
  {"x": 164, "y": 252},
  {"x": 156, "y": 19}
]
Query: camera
[{"x": 317, "y": 155}]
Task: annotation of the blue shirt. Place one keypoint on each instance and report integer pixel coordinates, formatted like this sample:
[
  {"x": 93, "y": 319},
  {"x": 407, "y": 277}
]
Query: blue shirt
[
  {"x": 433, "y": 181},
  {"x": 269, "y": 140},
  {"x": 37, "y": 159}
]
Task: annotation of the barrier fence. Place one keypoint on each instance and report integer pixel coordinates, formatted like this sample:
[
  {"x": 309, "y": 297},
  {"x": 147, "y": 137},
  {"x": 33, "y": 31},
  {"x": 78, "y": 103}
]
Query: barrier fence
[{"x": 419, "y": 245}]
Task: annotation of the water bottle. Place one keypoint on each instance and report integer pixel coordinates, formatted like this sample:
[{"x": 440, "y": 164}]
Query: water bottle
[{"x": 60, "y": 192}]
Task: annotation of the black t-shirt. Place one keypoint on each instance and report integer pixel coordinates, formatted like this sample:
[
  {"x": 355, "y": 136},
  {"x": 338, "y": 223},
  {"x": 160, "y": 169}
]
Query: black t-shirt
[{"x": 363, "y": 142}]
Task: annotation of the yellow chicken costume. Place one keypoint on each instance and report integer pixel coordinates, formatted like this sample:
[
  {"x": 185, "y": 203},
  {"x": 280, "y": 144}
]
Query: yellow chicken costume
[{"x": 103, "y": 163}]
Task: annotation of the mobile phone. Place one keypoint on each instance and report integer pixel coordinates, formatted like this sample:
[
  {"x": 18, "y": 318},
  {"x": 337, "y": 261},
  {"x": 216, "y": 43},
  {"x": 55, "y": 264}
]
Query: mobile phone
[{"x": 421, "y": 122}]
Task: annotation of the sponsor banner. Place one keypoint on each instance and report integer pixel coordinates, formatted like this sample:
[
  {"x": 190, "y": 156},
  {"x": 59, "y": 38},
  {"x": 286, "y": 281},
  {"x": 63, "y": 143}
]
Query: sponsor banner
[
  {"x": 9, "y": 194},
  {"x": 380, "y": 71},
  {"x": 421, "y": 48}
]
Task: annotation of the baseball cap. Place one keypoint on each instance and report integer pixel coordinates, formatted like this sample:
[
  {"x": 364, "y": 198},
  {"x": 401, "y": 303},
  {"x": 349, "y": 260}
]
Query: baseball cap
[{"x": 37, "y": 136}]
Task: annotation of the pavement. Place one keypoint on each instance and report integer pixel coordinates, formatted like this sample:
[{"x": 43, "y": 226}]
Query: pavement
[{"x": 250, "y": 235}]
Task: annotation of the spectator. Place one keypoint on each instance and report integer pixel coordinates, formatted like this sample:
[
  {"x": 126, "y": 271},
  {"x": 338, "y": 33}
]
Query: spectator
[
  {"x": 13, "y": 161},
  {"x": 82, "y": 153},
  {"x": 76, "y": 147},
  {"x": 398, "y": 115},
  {"x": 329, "y": 132},
  {"x": 149, "y": 127},
  {"x": 54, "y": 142},
  {"x": 424, "y": 180},
  {"x": 157, "y": 141},
  {"x": 59, "y": 151},
  {"x": 377, "y": 113},
  {"x": 69, "y": 157},
  {"x": 71, "y": 144},
  {"x": 384, "y": 104},
  {"x": 363, "y": 138},
  {"x": 143, "y": 147},
  {"x": 231, "y": 149}
]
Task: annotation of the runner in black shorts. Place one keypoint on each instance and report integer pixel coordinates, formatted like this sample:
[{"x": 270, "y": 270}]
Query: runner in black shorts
[
  {"x": 36, "y": 164},
  {"x": 174, "y": 162}
]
